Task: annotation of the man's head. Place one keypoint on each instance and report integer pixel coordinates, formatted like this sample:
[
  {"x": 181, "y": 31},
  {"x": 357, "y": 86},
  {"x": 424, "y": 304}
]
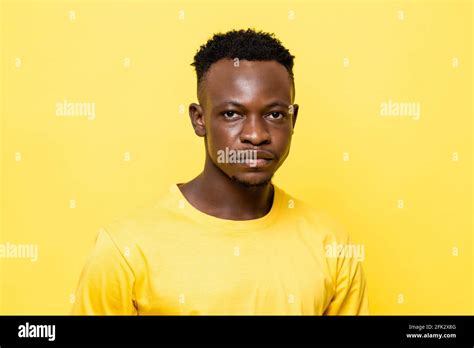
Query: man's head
[{"x": 246, "y": 93}]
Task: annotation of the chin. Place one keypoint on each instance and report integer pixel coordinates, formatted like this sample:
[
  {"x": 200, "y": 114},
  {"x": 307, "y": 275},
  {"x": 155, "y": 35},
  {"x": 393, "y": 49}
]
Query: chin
[{"x": 247, "y": 180}]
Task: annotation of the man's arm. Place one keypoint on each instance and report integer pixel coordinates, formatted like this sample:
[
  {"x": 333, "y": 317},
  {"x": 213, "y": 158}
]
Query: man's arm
[
  {"x": 106, "y": 282},
  {"x": 350, "y": 296}
]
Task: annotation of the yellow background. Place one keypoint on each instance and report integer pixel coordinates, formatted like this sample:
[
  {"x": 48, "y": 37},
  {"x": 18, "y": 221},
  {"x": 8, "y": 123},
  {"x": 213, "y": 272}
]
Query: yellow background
[{"x": 408, "y": 251}]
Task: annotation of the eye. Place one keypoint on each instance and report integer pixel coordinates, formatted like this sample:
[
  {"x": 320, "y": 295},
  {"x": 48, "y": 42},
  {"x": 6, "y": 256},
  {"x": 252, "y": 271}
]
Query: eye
[
  {"x": 230, "y": 115},
  {"x": 276, "y": 115}
]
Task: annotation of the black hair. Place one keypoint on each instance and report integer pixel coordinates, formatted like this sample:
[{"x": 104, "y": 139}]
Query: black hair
[{"x": 242, "y": 44}]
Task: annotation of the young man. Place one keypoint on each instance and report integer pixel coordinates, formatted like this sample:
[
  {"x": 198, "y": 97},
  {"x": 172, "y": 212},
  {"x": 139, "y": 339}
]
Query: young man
[{"x": 229, "y": 241}]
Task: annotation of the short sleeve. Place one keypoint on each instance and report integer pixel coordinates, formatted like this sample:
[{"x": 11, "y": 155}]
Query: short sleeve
[
  {"x": 106, "y": 282},
  {"x": 350, "y": 296}
]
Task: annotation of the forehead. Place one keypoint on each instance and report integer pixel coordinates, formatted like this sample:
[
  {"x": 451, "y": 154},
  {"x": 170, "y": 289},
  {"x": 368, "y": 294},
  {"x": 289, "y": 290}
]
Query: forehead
[{"x": 249, "y": 82}]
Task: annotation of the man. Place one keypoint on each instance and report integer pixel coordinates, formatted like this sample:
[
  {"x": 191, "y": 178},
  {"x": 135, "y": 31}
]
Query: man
[{"x": 229, "y": 241}]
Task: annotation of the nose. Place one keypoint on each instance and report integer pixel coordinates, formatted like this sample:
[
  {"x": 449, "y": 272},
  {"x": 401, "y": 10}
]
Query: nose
[{"x": 254, "y": 131}]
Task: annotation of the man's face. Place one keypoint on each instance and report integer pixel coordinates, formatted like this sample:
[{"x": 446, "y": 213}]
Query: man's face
[{"x": 246, "y": 108}]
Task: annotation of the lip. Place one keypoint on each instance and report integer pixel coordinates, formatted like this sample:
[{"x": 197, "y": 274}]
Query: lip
[
  {"x": 258, "y": 163},
  {"x": 262, "y": 159},
  {"x": 262, "y": 154}
]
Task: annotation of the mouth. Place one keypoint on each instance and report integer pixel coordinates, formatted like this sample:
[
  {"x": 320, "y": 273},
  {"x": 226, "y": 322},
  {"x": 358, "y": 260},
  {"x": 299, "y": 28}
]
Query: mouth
[
  {"x": 248, "y": 158},
  {"x": 264, "y": 155},
  {"x": 259, "y": 163},
  {"x": 260, "y": 159}
]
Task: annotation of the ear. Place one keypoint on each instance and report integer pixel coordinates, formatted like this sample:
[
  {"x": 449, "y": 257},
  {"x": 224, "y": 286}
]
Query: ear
[
  {"x": 295, "y": 108},
  {"x": 196, "y": 114}
]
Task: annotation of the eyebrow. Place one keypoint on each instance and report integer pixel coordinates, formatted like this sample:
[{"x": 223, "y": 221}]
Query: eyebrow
[{"x": 237, "y": 104}]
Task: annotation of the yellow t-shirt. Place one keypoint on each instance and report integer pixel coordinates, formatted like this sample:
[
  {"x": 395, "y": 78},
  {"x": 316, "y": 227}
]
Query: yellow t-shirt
[{"x": 172, "y": 259}]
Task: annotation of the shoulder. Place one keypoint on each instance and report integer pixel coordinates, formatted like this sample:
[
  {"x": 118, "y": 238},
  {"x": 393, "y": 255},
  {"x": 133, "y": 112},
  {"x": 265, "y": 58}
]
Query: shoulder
[
  {"x": 134, "y": 230},
  {"x": 318, "y": 220},
  {"x": 142, "y": 219}
]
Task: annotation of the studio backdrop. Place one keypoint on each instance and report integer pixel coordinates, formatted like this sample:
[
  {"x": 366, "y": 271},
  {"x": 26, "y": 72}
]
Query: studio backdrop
[{"x": 95, "y": 124}]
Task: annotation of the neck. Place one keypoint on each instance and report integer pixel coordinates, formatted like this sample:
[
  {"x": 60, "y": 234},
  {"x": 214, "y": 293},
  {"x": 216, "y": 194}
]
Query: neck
[{"x": 214, "y": 193}]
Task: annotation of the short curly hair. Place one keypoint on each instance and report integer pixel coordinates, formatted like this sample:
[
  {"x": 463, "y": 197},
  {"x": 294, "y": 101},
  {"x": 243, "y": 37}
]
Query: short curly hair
[{"x": 242, "y": 44}]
